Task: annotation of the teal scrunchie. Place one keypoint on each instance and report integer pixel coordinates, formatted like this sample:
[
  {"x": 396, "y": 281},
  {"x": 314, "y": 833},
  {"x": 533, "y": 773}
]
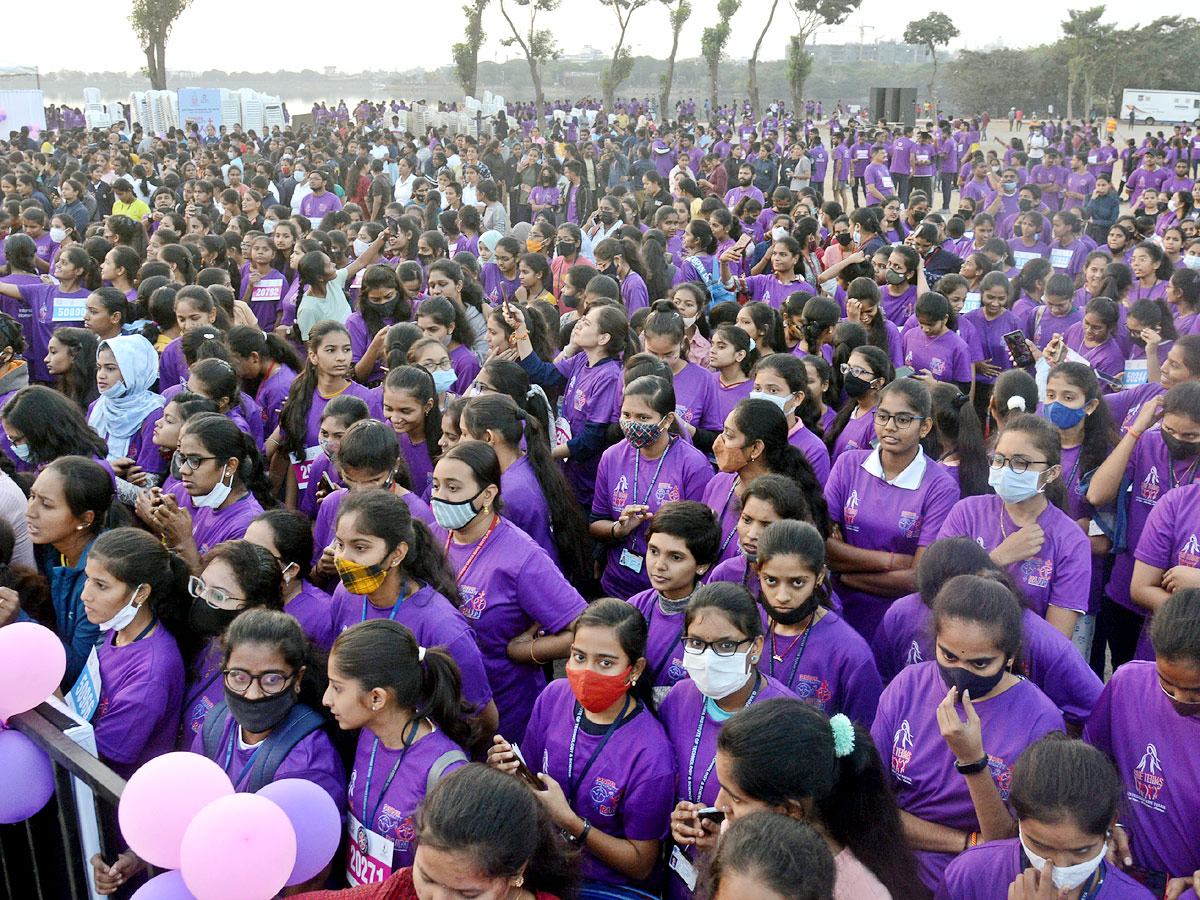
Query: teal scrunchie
[{"x": 843, "y": 735}]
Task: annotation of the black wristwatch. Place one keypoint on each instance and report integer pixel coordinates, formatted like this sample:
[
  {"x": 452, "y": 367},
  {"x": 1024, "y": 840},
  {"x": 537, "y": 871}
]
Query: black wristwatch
[{"x": 972, "y": 768}]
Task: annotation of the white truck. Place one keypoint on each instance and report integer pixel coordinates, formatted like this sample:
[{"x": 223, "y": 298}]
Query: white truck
[{"x": 1151, "y": 107}]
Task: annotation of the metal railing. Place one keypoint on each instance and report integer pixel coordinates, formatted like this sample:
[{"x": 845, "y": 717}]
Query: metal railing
[{"x": 43, "y": 857}]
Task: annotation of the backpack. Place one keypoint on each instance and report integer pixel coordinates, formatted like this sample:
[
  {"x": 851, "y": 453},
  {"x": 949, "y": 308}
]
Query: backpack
[
  {"x": 712, "y": 281},
  {"x": 301, "y": 721}
]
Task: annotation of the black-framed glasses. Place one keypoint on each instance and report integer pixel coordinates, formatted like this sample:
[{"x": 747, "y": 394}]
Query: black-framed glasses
[
  {"x": 902, "y": 419},
  {"x": 191, "y": 460},
  {"x": 721, "y": 646},
  {"x": 239, "y": 681},
  {"x": 858, "y": 372},
  {"x": 1018, "y": 464},
  {"x": 217, "y": 598}
]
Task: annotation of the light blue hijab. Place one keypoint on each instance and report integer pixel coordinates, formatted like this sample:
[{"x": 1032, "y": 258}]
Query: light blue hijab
[{"x": 120, "y": 411}]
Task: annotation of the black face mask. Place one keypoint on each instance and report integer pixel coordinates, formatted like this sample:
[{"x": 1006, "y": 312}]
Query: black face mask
[
  {"x": 978, "y": 685},
  {"x": 1180, "y": 449},
  {"x": 855, "y": 387},
  {"x": 917, "y": 215},
  {"x": 792, "y": 616},
  {"x": 565, "y": 248},
  {"x": 257, "y": 716},
  {"x": 425, "y": 259},
  {"x": 208, "y": 621},
  {"x": 844, "y": 240},
  {"x": 610, "y": 270},
  {"x": 606, "y": 217},
  {"x": 385, "y": 308},
  {"x": 1024, "y": 205}
]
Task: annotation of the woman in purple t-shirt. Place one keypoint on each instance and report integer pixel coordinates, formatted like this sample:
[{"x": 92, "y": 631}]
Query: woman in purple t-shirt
[
  {"x": 864, "y": 374},
  {"x": 1067, "y": 798},
  {"x": 783, "y": 379},
  {"x": 406, "y": 700},
  {"x": 951, "y": 776}
]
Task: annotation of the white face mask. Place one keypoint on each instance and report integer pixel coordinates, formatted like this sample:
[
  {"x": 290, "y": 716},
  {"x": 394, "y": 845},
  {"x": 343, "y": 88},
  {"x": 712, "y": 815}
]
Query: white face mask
[
  {"x": 779, "y": 233},
  {"x": 269, "y": 226},
  {"x": 1191, "y": 261},
  {"x": 58, "y": 235},
  {"x": 124, "y": 616},
  {"x": 360, "y": 247},
  {"x": 218, "y": 495},
  {"x": 780, "y": 400},
  {"x": 718, "y": 676},
  {"x": 1067, "y": 876}
]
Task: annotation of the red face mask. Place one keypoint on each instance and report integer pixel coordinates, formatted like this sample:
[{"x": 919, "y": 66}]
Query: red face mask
[{"x": 596, "y": 692}]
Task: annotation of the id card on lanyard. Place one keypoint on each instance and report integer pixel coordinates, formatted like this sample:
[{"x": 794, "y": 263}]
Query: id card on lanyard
[
  {"x": 368, "y": 853},
  {"x": 84, "y": 696}
]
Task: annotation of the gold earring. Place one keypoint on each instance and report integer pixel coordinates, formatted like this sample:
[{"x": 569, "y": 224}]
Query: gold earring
[{"x": 519, "y": 881}]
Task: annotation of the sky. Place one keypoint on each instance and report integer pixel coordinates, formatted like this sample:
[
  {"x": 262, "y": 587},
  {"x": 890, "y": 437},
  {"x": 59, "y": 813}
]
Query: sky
[{"x": 108, "y": 42}]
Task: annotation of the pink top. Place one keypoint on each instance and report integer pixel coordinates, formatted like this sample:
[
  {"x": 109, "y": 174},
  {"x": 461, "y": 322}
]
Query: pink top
[{"x": 854, "y": 881}]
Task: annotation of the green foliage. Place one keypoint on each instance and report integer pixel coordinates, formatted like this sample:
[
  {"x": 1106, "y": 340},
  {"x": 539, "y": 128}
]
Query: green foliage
[
  {"x": 933, "y": 31},
  {"x": 813, "y": 14},
  {"x": 466, "y": 53},
  {"x": 617, "y": 71},
  {"x": 152, "y": 21}
]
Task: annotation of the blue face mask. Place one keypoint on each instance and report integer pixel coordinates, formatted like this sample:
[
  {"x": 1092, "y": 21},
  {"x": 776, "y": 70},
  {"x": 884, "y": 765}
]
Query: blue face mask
[
  {"x": 1009, "y": 186},
  {"x": 1013, "y": 487},
  {"x": 22, "y": 452},
  {"x": 1064, "y": 417},
  {"x": 444, "y": 379}
]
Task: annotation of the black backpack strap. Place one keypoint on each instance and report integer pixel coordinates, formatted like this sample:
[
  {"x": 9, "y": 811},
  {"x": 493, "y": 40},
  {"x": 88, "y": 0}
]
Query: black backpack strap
[
  {"x": 441, "y": 764},
  {"x": 214, "y": 724},
  {"x": 301, "y": 721}
]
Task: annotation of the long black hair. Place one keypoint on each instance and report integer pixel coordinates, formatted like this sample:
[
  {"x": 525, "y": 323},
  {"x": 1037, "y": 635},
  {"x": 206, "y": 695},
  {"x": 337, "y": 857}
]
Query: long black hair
[
  {"x": 782, "y": 752},
  {"x": 293, "y": 417},
  {"x": 956, "y": 430},
  {"x": 244, "y": 340},
  {"x": 1100, "y": 428},
  {"x": 418, "y": 382},
  {"x": 498, "y": 413},
  {"x": 79, "y": 382},
  {"x": 222, "y": 438},
  {"x": 376, "y": 315},
  {"x": 52, "y": 425},
  {"x": 135, "y": 557}
]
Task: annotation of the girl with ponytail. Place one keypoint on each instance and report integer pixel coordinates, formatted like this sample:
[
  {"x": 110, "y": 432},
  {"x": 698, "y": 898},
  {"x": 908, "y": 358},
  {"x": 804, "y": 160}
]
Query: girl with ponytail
[
  {"x": 267, "y": 365},
  {"x": 407, "y": 700}
]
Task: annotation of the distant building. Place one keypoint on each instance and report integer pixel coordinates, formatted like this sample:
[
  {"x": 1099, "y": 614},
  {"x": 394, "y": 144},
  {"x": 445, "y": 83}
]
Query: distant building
[{"x": 888, "y": 53}]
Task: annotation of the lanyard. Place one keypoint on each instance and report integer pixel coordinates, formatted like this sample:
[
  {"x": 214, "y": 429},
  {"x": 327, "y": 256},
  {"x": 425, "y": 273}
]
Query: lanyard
[
  {"x": 671, "y": 646},
  {"x": 572, "y": 784},
  {"x": 696, "y": 746},
  {"x": 724, "y": 507},
  {"x": 637, "y": 459},
  {"x": 229, "y": 754},
  {"x": 803, "y": 639},
  {"x": 271, "y": 370},
  {"x": 408, "y": 742},
  {"x": 474, "y": 553}
]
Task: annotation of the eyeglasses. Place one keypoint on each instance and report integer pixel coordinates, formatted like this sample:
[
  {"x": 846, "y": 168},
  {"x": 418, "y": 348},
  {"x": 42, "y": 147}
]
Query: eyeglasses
[
  {"x": 483, "y": 388},
  {"x": 1018, "y": 464},
  {"x": 191, "y": 460},
  {"x": 721, "y": 646},
  {"x": 215, "y": 597},
  {"x": 902, "y": 420},
  {"x": 441, "y": 366},
  {"x": 858, "y": 372},
  {"x": 239, "y": 681}
]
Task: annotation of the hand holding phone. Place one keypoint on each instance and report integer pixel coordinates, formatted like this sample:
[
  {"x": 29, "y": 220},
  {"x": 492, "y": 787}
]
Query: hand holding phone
[
  {"x": 1018, "y": 349},
  {"x": 525, "y": 773}
]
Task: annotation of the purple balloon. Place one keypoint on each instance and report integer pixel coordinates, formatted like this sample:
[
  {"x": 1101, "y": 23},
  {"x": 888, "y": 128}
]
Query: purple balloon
[
  {"x": 315, "y": 818},
  {"x": 28, "y": 779},
  {"x": 167, "y": 886}
]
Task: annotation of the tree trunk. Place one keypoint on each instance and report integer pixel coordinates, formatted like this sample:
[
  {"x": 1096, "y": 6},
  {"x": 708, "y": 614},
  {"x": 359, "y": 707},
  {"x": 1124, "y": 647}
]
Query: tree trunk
[
  {"x": 161, "y": 51},
  {"x": 539, "y": 96},
  {"x": 933, "y": 101},
  {"x": 755, "y": 106},
  {"x": 798, "y": 68},
  {"x": 1087, "y": 95},
  {"x": 667, "y": 79},
  {"x": 1070, "y": 97},
  {"x": 712, "y": 82}
]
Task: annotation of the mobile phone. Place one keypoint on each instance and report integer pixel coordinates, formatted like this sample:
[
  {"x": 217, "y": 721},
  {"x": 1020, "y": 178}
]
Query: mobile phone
[
  {"x": 1021, "y": 355},
  {"x": 325, "y": 484},
  {"x": 1117, "y": 381},
  {"x": 392, "y": 222},
  {"x": 525, "y": 773},
  {"x": 905, "y": 371},
  {"x": 744, "y": 241},
  {"x": 711, "y": 813}
]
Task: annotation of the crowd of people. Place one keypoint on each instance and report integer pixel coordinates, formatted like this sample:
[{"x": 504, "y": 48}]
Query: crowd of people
[{"x": 617, "y": 509}]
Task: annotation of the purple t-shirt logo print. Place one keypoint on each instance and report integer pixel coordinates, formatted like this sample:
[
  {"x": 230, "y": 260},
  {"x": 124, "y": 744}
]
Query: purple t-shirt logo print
[
  {"x": 1148, "y": 777},
  {"x": 1189, "y": 554},
  {"x": 902, "y": 747},
  {"x": 851, "y": 509},
  {"x": 1150, "y": 484}
]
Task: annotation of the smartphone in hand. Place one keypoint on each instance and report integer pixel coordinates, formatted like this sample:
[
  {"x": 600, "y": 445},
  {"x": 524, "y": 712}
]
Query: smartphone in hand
[
  {"x": 525, "y": 773},
  {"x": 1021, "y": 355}
]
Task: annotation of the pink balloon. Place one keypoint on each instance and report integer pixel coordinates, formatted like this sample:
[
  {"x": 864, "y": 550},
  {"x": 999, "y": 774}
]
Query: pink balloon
[
  {"x": 32, "y": 663},
  {"x": 162, "y": 798},
  {"x": 239, "y": 846}
]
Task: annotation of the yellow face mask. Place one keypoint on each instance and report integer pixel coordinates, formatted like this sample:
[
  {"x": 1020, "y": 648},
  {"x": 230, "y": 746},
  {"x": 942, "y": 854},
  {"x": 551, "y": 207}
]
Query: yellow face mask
[{"x": 359, "y": 579}]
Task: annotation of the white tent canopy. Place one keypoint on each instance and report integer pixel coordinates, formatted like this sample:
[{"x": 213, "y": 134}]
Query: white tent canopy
[{"x": 9, "y": 70}]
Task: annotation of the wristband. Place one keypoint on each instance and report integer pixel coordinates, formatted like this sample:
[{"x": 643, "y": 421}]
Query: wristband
[
  {"x": 532, "y": 655},
  {"x": 579, "y": 841},
  {"x": 1136, "y": 435},
  {"x": 973, "y": 768}
]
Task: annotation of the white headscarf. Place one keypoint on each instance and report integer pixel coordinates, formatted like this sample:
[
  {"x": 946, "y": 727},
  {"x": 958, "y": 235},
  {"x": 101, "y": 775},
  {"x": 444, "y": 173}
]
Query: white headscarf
[{"x": 123, "y": 408}]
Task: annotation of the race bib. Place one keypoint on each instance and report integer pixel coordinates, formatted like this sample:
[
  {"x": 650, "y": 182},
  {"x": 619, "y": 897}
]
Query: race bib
[
  {"x": 356, "y": 284},
  {"x": 267, "y": 291},
  {"x": 303, "y": 467},
  {"x": 84, "y": 696},
  {"x": 861, "y": 154},
  {"x": 1093, "y": 158},
  {"x": 1060, "y": 258},
  {"x": 973, "y": 301},
  {"x": 1022, "y": 258},
  {"x": 562, "y": 431},
  {"x": 886, "y": 182},
  {"x": 1136, "y": 372},
  {"x": 368, "y": 854},
  {"x": 68, "y": 309}
]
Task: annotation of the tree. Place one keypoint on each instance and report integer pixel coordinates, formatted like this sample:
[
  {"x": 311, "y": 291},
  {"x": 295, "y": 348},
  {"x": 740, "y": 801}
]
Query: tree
[
  {"x": 753, "y": 65},
  {"x": 679, "y": 11},
  {"x": 537, "y": 44},
  {"x": 622, "y": 61},
  {"x": 935, "y": 30},
  {"x": 1085, "y": 38},
  {"x": 713, "y": 41},
  {"x": 466, "y": 53},
  {"x": 811, "y": 15},
  {"x": 152, "y": 21}
]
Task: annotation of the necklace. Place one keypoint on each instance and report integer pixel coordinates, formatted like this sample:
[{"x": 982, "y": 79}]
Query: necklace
[{"x": 778, "y": 656}]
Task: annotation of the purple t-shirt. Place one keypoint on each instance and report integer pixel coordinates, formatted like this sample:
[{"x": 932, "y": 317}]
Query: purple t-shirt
[
  {"x": 728, "y": 397},
  {"x": 1050, "y": 659},
  {"x": 211, "y": 526},
  {"x": 203, "y": 689},
  {"x": 920, "y": 766},
  {"x": 622, "y": 782},
  {"x": 270, "y": 396},
  {"x": 314, "y": 208},
  {"x": 466, "y": 367},
  {"x": 664, "y": 647},
  {"x": 696, "y": 398},
  {"x": 302, "y": 462},
  {"x": 1107, "y": 358},
  {"x": 830, "y": 667},
  {"x": 310, "y": 608},
  {"x": 312, "y": 759},
  {"x": 1059, "y": 575},
  {"x": 897, "y": 308},
  {"x": 772, "y": 291},
  {"x": 813, "y": 448},
  {"x": 1169, "y": 538},
  {"x": 389, "y": 809},
  {"x": 510, "y": 584},
  {"x": 326, "y": 523},
  {"x": 946, "y": 356},
  {"x": 876, "y": 515},
  {"x": 877, "y": 175},
  {"x": 1154, "y": 749},
  {"x": 360, "y": 340},
  {"x": 991, "y": 338},
  {"x": 985, "y": 872},
  {"x": 720, "y": 495},
  {"x": 591, "y": 395},
  {"x": 434, "y": 622},
  {"x": 625, "y": 478},
  {"x": 1041, "y": 325},
  {"x": 266, "y": 297},
  {"x": 141, "y": 694},
  {"x": 858, "y": 434},
  {"x": 52, "y": 308},
  {"x": 525, "y": 505}
]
